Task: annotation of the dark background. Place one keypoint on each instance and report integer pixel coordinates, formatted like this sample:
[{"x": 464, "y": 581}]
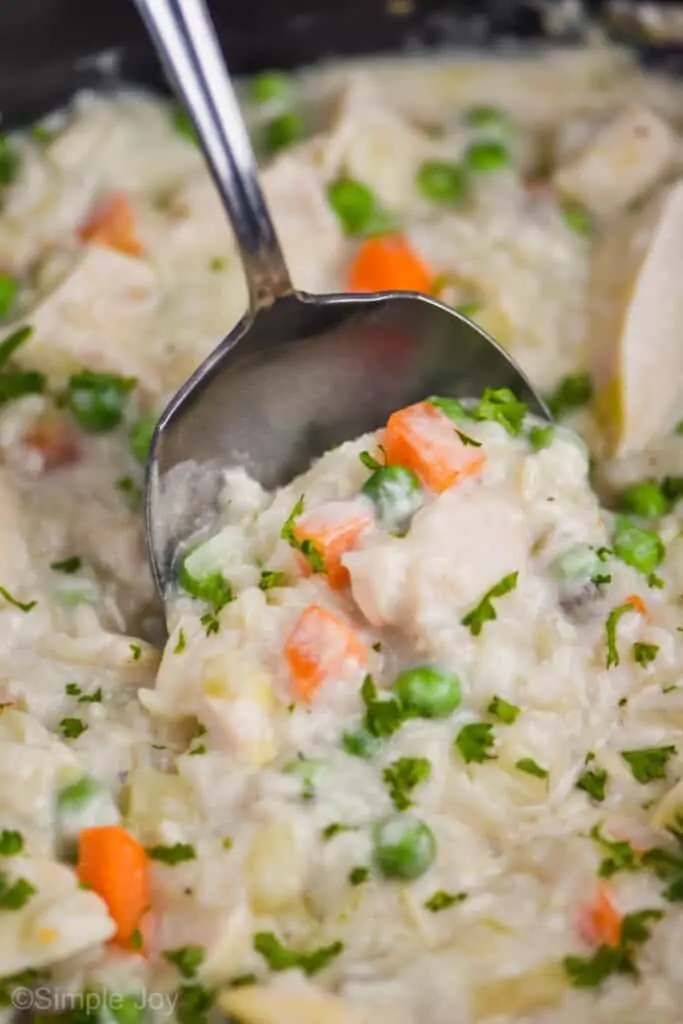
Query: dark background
[{"x": 47, "y": 46}]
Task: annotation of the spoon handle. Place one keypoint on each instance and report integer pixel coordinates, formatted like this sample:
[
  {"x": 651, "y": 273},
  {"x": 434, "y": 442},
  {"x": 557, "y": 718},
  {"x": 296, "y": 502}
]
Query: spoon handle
[{"x": 185, "y": 41}]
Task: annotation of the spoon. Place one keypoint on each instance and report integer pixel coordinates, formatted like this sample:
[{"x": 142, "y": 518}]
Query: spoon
[{"x": 300, "y": 373}]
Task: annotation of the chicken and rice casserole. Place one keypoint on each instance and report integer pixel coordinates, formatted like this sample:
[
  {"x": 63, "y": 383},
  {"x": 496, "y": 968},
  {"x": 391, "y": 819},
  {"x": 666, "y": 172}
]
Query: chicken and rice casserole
[{"x": 413, "y": 749}]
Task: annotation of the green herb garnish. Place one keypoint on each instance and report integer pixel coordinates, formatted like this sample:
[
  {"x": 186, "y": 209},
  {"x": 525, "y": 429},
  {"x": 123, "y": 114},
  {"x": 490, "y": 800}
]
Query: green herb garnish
[
  {"x": 175, "y": 854},
  {"x": 485, "y": 611},
  {"x": 67, "y": 565},
  {"x": 72, "y": 728},
  {"x": 280, "y": 958},
  {"x": 645, "y": 654},
  {"x": 648, "y": 763},
  {"x": 306, "y": 547},
  {"x": 504, "y": 711},
  {"x": 442, "y": 900},
  {"x": 474, "y": 743},
  {"x": 402, "y": 776}
]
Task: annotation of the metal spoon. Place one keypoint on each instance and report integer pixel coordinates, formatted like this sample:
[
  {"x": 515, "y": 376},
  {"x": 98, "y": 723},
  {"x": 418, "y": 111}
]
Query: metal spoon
[{"x": 300, "y": 373}]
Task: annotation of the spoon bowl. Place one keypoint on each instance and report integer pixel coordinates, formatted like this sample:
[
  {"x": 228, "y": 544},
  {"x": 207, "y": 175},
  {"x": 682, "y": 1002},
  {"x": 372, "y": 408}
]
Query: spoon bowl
[{"x": 300, "y": 373}]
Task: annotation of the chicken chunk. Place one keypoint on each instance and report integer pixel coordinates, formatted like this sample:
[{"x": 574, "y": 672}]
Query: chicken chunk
[
  {"x": 627, "y": 158},
  {"x": 635, "y": 308},
  {"x": 98, "y": 317}
]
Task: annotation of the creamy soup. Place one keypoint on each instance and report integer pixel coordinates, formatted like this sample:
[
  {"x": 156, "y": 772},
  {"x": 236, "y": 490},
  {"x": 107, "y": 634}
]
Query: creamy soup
[{"x": 413, "y": 749}]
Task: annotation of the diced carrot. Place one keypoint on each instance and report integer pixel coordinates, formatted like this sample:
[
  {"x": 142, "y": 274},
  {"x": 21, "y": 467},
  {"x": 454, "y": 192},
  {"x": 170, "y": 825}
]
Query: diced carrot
[
  {"x": 53, "y": 437},
  {"x": 112, "y": 224},
  {"x": 420, "y": 437},
  {"x": 600, "y": 923},
  {"x": 114, "y": 865},
  {"x": 320, "y": 646},
  {"x": 637, "y": 604},
  {"x": 332, "y": 529},
  {"x": 388, "y": 263}
]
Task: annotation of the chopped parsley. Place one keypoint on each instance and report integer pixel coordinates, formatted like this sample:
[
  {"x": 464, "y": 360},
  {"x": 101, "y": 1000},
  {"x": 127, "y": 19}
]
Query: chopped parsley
[
  {"x": 91, "y": 698},
  {"x": 370, "y": 462},
  {"x": 592, "y": 971},
  {"x": 24, "y": 606},
  {"x": 442, "y": 900},
  {"x": 572, "y": 393},
  {"x": 485, "y": 611},
  {"x": 593, "y": 781},
  {"x": 645, "y": 654},
  {"x": 136, "y": 940},
  {"x": 359, "y": 875},
  {"x": 467, "y": 440},
  {"x": 131, "y": 492},
  {"x": 181, "y": 642},
  {"x": 281, "y": 958},
  {"x": 621, "y": 855},
  {"x": 210, "y": 623},
  {"x": 9, "y": 161},
  {"x": 642, "y": 549},
  {"x": 14, "y": 895},
  {"x": 648, "y": 763},
  {"x": 13, "y": 341},
  {"x": 188, "y": 959},
  {"x": 502, "y": 406},
  {"x": 474, "y": 742},
  {"x": 72, "y": 689},
  {"x": 402, "y": 776},
  {"x": 72, "y": 728},
  {"x": 531, "y": 767},
  {"x": 270, "y": 579},
  {"x": 334, "y": 829},
  {"x": 612, "y": 652},
  {"x": 67, "y": 565},
  {"x": 450, "y": 407},
  {"x": 667, "y": 865},
  {"x": 176, "y": 854},
  {"x": 136, "y": 651},
  {"x": 383, "y": 716},
  {"x": 504, "y": 711},
  {"x": 11, "y": 842},
  {"x": 305, "y": 547}
]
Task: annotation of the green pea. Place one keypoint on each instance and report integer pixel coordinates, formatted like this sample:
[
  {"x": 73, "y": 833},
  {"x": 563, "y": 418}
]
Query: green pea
[
  {"x": 357, "y": 207},
  {"x": 645, "y": 498},
  {"x": 282, "y": 131},
  {"x": 442, "y": 182},
  {"x": 484, "y": 117},
  {"x": 487, "y": 155},
  {"x": 642, "y": 549},
  {"x": 404, "y": 847},
  {"x": 140, "y": 438},
  {"x": 580, "y": 562},
  {"x": 271, "y": 85},
  {"x": 97, "y": 400},
  {"x": 393, "y": 490},
  {"x": 426, "y": 692},
  {"x": 360, "y": 743},
  {"x": 541, "y": 437},
  {"x": 211, "y": 587}
]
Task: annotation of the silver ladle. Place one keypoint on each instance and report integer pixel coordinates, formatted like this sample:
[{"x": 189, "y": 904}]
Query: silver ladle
[{"x": 300, "y": 373}]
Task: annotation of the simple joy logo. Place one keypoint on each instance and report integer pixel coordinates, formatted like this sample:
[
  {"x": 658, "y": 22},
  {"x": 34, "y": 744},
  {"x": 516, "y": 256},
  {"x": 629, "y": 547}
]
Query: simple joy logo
[{"x": 48, "y": 1000}]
